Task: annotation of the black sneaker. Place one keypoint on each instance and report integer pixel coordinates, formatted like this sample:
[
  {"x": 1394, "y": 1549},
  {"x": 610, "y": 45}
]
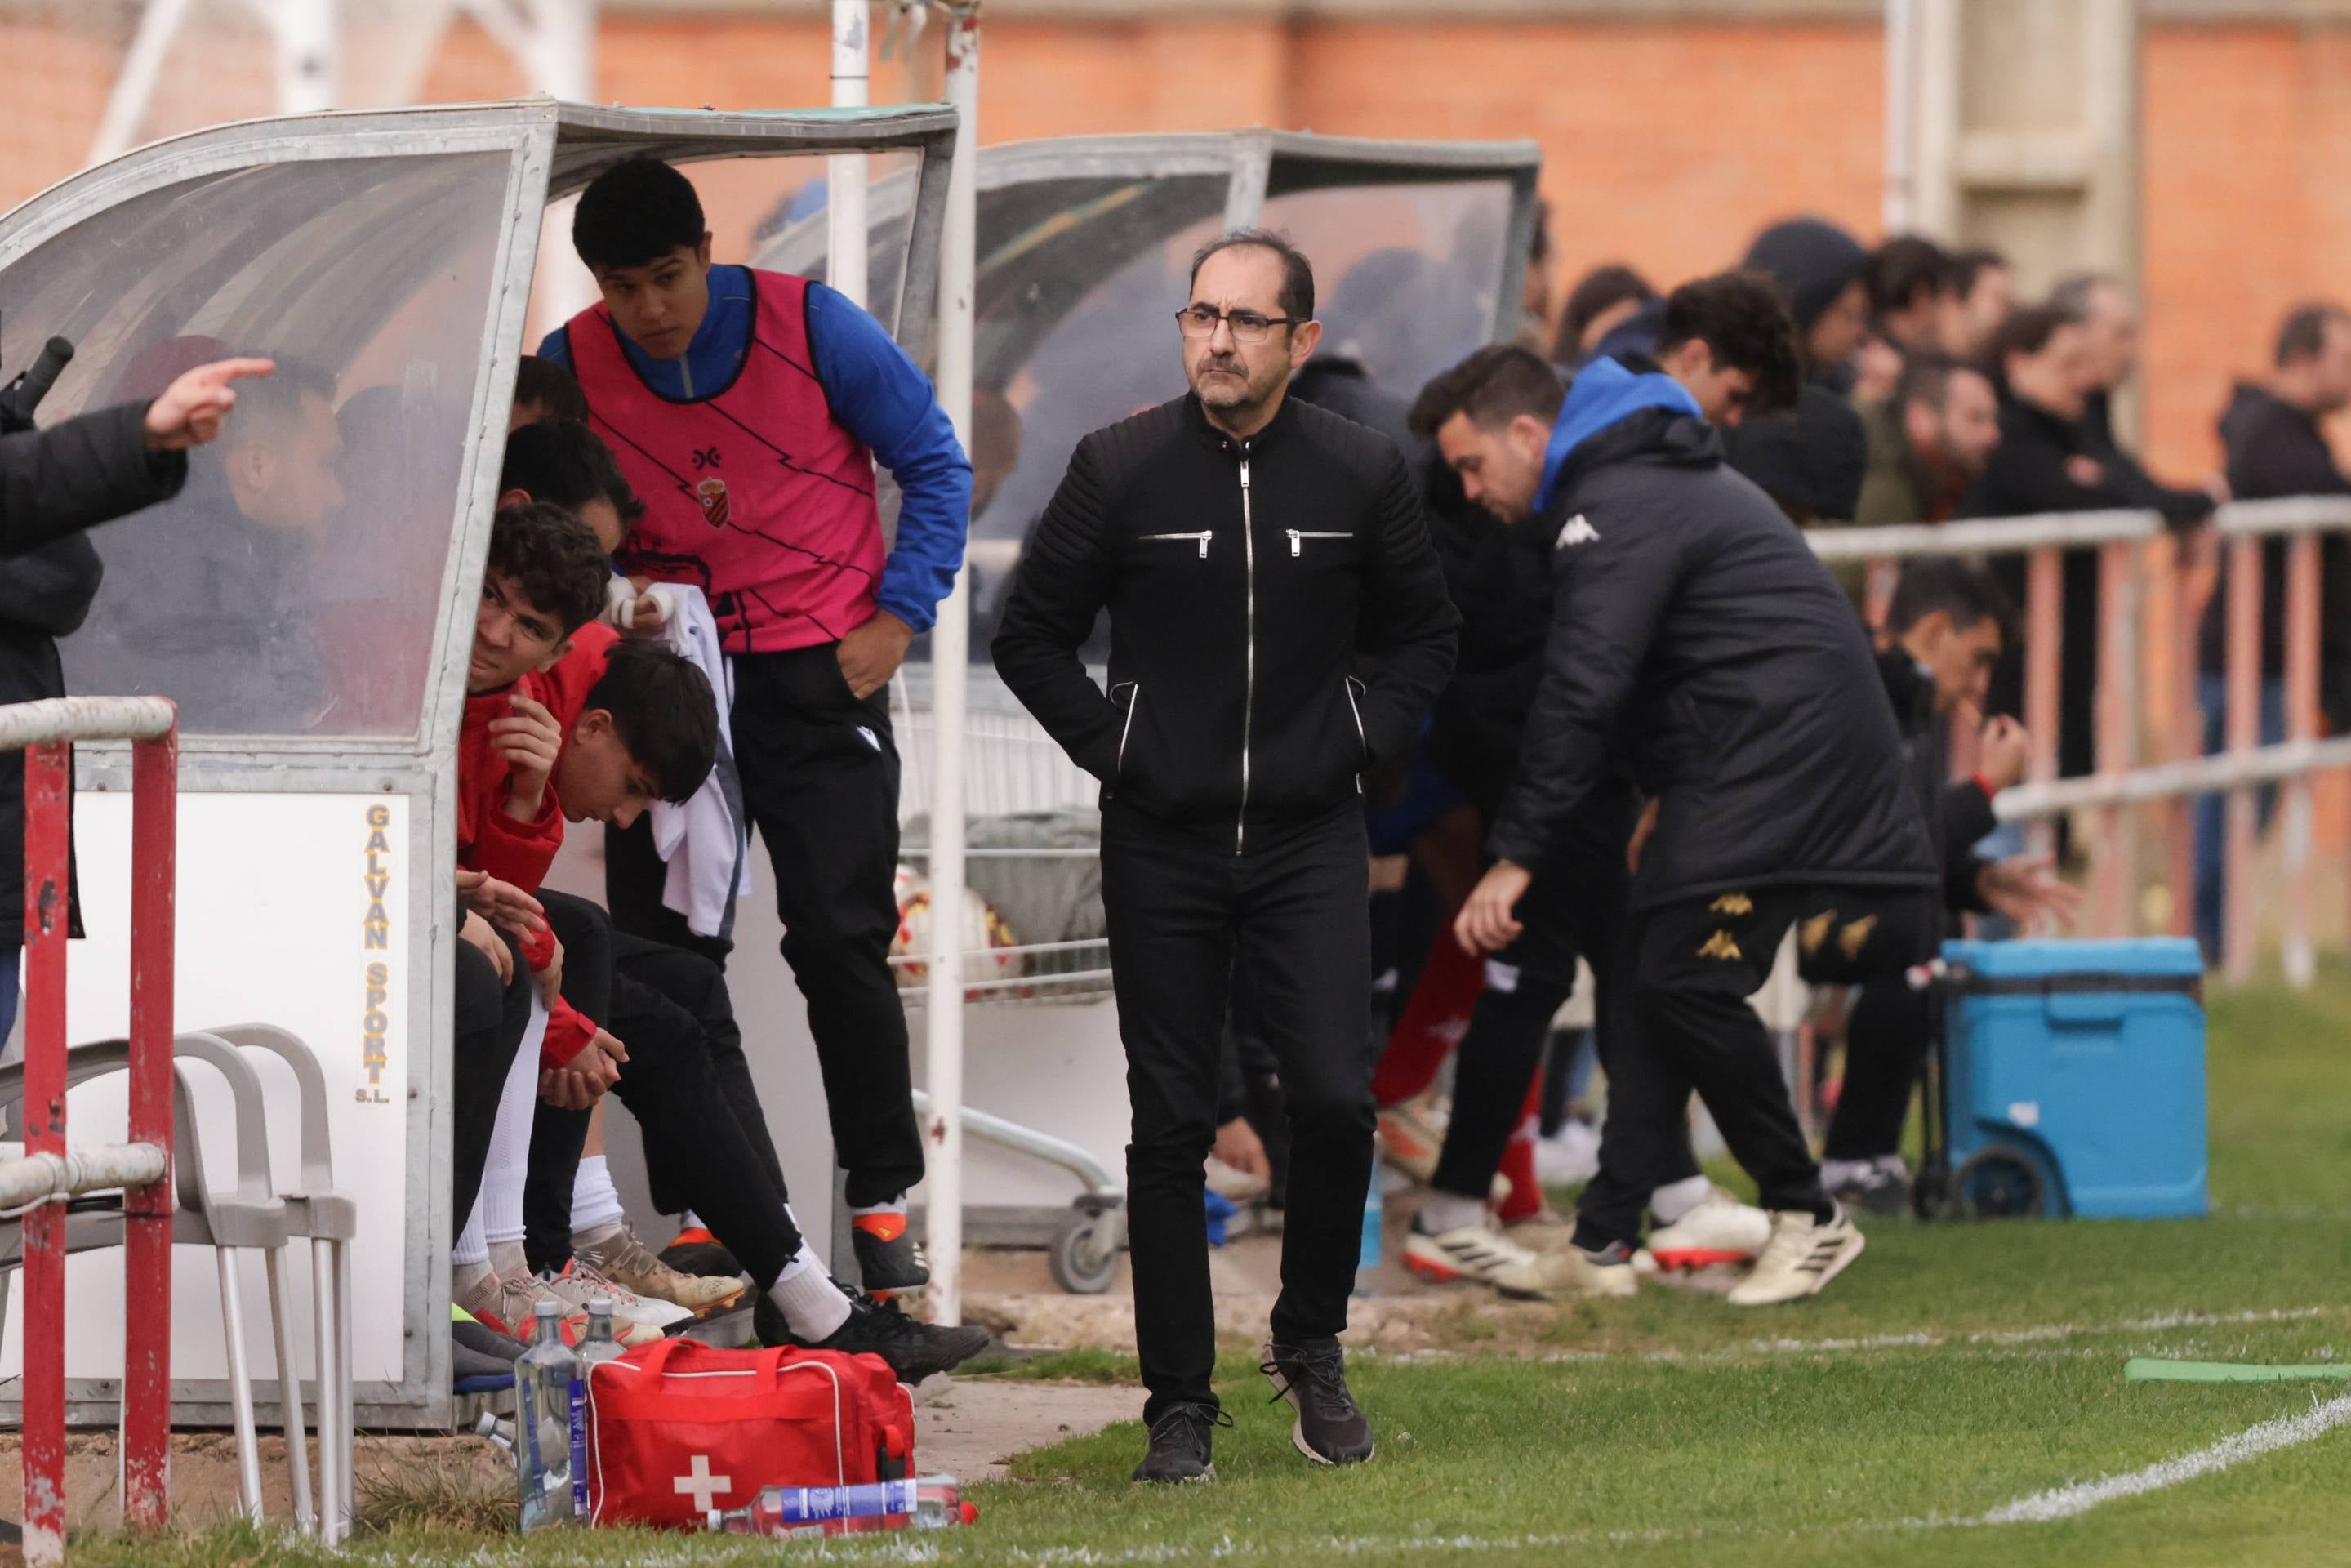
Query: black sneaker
[
  {"x": 1179, "y": 1444},
  {"x": 698, "y": 1253},
  {"x": 889, "y": 1258},
  {"x": 914, "y": 1350},
  {"x": 1875, "y": 1191},
  {"x": 1330, "y": 1430}
]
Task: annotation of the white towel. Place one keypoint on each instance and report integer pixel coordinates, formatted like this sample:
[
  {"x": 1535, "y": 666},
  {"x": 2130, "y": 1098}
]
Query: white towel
[{"x": 707, "y": 840}]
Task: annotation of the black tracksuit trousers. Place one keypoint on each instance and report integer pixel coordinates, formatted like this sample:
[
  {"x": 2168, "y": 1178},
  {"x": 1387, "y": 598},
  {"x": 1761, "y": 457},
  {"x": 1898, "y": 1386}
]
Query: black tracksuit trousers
[
  {"x": 491, "y": 1018},
  {"x": 1289, "y": 914},
  {"x": 697, "y": 1152},
  {"x": 1574, "y": 908},
  {"x": 819, "y": 776},
  {"x": 1885, "y": 1040},
  {"x": 1689, "y": 967}
]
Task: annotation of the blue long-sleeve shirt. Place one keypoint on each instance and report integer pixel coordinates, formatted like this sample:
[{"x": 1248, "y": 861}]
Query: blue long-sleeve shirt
[{"x": 878, "y": 395}]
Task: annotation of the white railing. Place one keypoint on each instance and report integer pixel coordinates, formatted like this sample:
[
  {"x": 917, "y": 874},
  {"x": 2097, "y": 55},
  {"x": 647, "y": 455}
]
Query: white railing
[
  {"x": 1011, "y": 766},
  {"x": 2131, "y": 563}
]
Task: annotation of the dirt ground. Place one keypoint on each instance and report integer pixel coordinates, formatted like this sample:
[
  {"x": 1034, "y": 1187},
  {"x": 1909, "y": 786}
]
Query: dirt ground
[
  {"x": 962, "y": 1429},
  {"x": 1014, "y": 1294}
]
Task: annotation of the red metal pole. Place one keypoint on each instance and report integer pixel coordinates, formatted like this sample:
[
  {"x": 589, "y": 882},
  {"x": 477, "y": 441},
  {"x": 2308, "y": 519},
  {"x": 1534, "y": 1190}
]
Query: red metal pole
[
  {"x": 147, "y": 1242},
  {"x": 2186, "y": 736},
  {"x": 2301, "y": 723},
  {"x": 2241, "y": 920},
  {"x": 2115, "y": 874},
  {"x": 49, "y": 788},
  {"x": 2044, "y": 608}
]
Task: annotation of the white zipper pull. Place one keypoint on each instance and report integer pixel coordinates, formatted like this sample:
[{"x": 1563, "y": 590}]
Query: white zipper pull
[
  {"x": 1205, "y": 535},
  {"x": 1297, "y": 546}
]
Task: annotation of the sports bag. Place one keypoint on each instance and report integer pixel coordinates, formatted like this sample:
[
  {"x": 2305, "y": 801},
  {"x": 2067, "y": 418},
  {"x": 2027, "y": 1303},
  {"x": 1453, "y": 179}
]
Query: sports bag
[{"x": 678, "y": 1428}]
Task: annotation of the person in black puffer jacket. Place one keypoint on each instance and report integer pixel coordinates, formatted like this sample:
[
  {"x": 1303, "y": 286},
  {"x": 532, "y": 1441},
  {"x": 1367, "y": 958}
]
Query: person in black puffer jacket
[
  {"x": 1698, "y": 637},
  {"x": 1248, "y": 545}
]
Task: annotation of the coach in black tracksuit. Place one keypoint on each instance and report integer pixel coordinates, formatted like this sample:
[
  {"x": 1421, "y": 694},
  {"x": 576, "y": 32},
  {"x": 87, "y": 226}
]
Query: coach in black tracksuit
[
  {"x": 1248, "y": 545},
  {"x": 1697, "y": 637}
]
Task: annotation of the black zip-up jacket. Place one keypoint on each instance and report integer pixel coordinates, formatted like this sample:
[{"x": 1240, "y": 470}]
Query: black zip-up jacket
[
  {"x": 1694, "y": 628},
  {"x": 81, "y": 472},
  {"x": 2028, "y": 474},
  {"x": 1242, "y": 579},
  {"x": 1482, "y": 719},
  {"x": 2276, "y": 449},
  {"x": 1958, "y": 814},
  {"x": 43, "y": 595}
]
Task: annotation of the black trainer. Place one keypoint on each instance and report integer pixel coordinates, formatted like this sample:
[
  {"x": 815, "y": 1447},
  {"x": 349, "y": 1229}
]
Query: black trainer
[
  {"x": 699, "y": 1252},
  {"x": 1179, "y": 1444},
  {"x": 1330, "y": 1430},
  {"x": 889, "y": 1258},
  {"x": 914, "y": 1350}
]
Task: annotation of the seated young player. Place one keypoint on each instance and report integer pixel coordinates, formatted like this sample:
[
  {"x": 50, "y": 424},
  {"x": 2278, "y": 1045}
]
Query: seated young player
[
  {"x": 570, "y": 465},
  {"x": 541, "y": 574},
  {"x": 1944, "y": 631},
  {"x": 546, "y": 393},
  {"x": 607, "y": 729}
]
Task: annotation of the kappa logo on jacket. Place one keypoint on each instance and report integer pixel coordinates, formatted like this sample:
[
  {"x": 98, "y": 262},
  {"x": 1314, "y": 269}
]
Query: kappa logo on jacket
[{"x": 1578, "y": 531}]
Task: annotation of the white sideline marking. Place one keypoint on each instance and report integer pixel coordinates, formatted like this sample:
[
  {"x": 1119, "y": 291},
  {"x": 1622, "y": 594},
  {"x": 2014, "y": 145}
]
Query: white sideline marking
[
  {"x": 2283, "y": 1432},
  {"x": 1919, "y": 1339}
]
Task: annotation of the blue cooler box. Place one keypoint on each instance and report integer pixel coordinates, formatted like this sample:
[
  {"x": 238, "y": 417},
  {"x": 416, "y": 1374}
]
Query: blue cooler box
[{"x": 2083, "y": 1062}]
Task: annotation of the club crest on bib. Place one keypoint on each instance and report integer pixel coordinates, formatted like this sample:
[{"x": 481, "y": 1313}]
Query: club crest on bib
[{"x": 711, "y": 495}]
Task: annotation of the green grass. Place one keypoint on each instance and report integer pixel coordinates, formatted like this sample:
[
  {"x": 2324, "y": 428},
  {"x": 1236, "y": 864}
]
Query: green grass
[{"x": 1672, "y": 1428}]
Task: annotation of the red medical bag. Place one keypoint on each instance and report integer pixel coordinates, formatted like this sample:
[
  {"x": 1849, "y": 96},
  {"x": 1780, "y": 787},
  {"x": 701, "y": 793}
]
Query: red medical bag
[{"x": 678, "y": 1428}]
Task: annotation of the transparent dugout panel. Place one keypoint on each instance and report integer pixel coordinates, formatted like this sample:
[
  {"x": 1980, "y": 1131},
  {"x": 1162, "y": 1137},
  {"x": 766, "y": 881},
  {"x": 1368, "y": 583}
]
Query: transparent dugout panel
[
  {"x": 1405, "y": 274},
  {"x": 291, "y": 588}
]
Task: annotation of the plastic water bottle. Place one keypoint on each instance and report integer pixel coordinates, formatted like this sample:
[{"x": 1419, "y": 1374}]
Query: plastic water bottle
[
  {"x": 600, "y": 1346},
  {"x": 931, "y": 1503},
  {"x": 1367, "y": 1260},
  {"x": 544, "y": 1379}
]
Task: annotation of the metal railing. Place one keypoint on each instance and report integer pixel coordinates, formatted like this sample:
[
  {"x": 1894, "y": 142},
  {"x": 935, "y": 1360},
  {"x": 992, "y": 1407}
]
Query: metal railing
[
  {"x": 47, "y": 1175},
  {"x": 1011, "y": 766},
  {"x": 2133, "y": 571}
]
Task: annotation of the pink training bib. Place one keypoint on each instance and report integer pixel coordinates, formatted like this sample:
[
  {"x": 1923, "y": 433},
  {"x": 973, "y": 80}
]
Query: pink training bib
[{"x": 754, "y": 494}]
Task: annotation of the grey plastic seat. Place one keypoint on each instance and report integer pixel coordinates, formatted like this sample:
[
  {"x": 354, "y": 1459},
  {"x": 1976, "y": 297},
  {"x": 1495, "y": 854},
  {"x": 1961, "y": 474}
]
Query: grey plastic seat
[
  {"x": 318, "y": 1209},
  {"x": 252, "y": 1217}
]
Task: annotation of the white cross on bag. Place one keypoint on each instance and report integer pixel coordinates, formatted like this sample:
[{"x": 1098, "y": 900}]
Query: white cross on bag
[{"x": 700, "y": 1485}]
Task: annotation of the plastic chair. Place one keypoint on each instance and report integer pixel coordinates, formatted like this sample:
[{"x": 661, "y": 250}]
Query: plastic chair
[
  {"x": 252, "y": 1218},
  {"x": 328, "y": 1217}
]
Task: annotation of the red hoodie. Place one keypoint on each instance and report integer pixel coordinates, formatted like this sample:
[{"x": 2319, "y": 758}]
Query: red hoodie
[{"x": 520, "y": 852}]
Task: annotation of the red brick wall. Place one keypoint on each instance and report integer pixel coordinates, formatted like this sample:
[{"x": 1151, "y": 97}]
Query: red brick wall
[{"x": 1665, "y": 144}]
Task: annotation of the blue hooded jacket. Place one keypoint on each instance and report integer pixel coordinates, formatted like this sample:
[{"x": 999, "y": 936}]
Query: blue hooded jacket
[{"x": 1604, "y": 393}]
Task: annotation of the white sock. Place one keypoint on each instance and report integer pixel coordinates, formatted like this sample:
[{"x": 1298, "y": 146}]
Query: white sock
[
  {"x": 507, "y": 1169},
  {"x": 811, "y": 1303},
  {"x": 1670, "y": 1202},
  {"x": 1444, "y": 1211},
  {"x": 691, "y": 1221},
  {"x": 1835, "y": 1172},
  {"x": 472, "y": 1242},
  {"x": 595, "y": 1201},
  {"x": 894, "y": 1205}
]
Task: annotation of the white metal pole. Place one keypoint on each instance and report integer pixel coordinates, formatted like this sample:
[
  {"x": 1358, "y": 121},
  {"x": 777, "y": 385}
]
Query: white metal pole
[
  {"x": 143, "y": 68},
  {"x": 309, "y": 70},
  {"x": 950, "y": 651},
  {"x": 1901, "y": 109},
  {"x": 563, "y": 48},
  {"x": 852, "y": 54}
]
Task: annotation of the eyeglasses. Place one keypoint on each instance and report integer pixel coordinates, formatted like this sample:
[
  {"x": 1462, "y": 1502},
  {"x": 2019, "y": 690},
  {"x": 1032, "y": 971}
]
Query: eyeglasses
[{"x": 1249, "y": 327}]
